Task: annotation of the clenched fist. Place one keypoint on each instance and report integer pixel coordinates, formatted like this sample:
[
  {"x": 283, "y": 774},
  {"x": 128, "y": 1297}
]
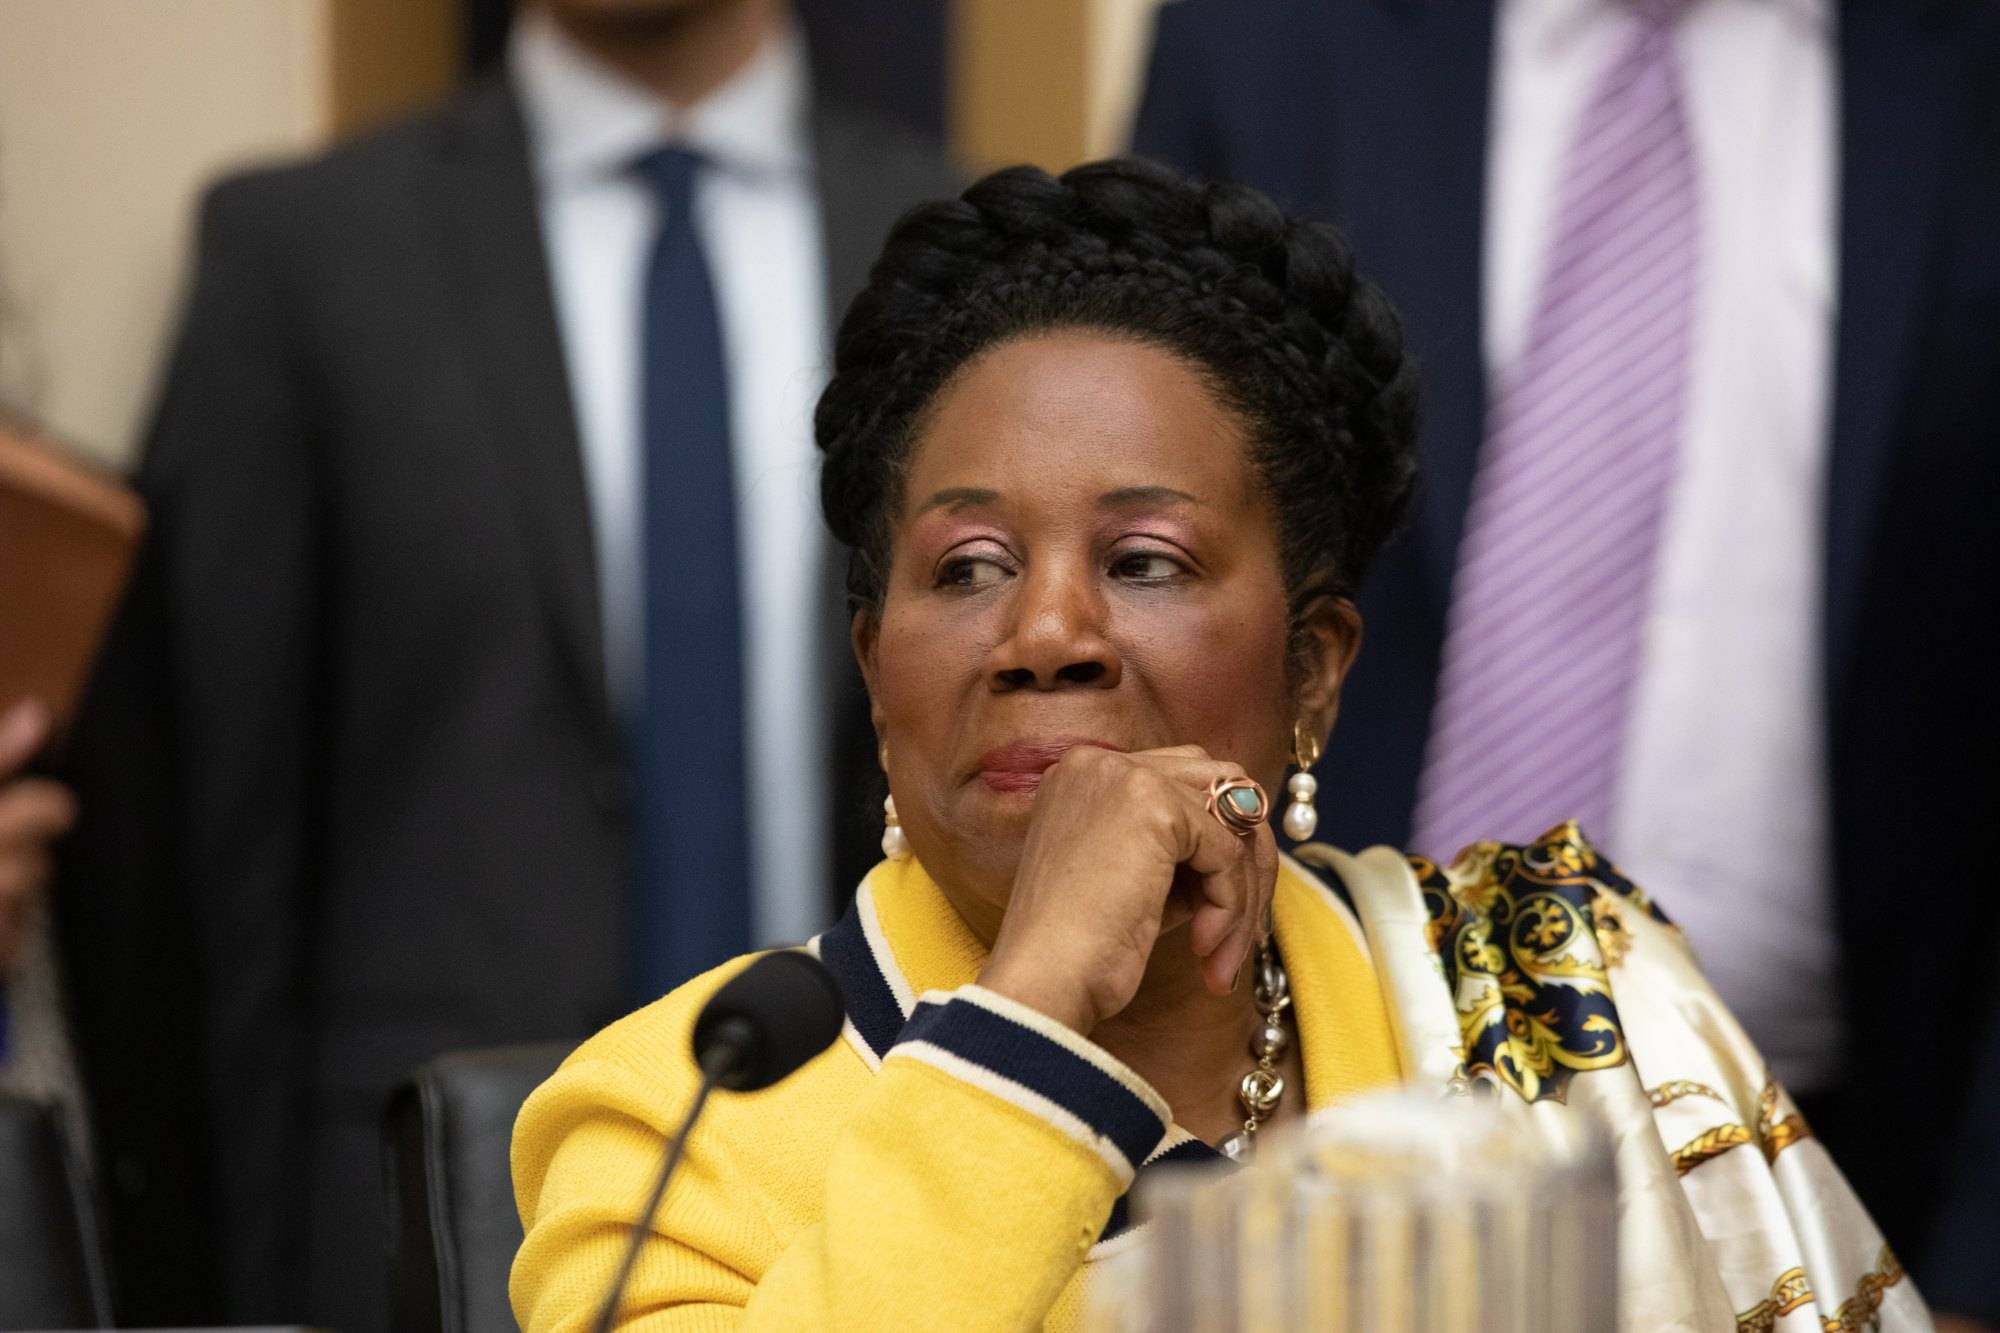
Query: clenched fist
[{"x": 1121, "y": 850}]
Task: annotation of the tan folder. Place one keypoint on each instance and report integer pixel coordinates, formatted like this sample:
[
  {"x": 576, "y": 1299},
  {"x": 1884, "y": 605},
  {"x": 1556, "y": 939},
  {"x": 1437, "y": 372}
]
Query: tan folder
[{"x": 68, "y": 530}]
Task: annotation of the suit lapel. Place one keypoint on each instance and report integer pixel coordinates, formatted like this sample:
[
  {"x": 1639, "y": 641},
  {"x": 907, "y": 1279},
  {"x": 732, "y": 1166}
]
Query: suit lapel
[
  {"x": 1899, "y": 79},
  {"x": 848, "y": 243},
  {"x": 497, "y": 276},
  {"x": 866, "y": 174},
  {"x": 1410, "y": 81},
  {"x": 845, "y": 215}
]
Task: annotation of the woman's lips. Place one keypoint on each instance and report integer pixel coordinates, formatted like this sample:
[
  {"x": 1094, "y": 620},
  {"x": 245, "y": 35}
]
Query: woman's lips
[
  {"x": 1018, "y": 765},
  {"x": 1008, "y": 780}
]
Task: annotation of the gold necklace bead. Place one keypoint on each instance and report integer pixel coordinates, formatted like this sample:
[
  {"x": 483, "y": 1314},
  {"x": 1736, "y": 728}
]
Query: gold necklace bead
[
  {"x": 1263, "y": 1088},
  {"x": 1260, "y": 1090}
]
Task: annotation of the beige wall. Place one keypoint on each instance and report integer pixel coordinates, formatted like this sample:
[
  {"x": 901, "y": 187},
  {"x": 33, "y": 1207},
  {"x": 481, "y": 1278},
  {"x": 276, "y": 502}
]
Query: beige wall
[
  {"x": 113, "y": 115},
  {"x": 1046, "y": 81}
]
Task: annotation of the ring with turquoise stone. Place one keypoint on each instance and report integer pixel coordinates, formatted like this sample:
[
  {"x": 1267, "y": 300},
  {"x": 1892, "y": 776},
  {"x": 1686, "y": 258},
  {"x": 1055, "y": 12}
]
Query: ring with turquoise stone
[{"x": 1239, "y": 803}]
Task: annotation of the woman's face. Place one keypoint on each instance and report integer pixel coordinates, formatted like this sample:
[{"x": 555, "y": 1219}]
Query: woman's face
[{"x": 1083, "y": 557}]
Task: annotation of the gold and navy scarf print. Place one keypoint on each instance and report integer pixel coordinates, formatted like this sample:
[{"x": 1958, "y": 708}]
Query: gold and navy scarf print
[{"x": 1526, "y": 934}]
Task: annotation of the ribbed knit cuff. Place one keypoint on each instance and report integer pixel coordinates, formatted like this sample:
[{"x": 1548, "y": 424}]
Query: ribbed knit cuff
[{"x": 1028, "y": 1059}]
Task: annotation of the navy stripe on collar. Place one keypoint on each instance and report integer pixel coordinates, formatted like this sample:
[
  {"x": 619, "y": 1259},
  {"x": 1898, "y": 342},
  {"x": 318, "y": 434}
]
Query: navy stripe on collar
[
  {"x": 1021, "y": 1055},
  {"x": 1187, "y": 1152},
  {"x": 879, "y": 1020},
  {"x": 871, "y": 1003}
]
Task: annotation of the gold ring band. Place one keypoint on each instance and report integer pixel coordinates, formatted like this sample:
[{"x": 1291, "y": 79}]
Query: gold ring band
[{"x": 1239, "y": 804}]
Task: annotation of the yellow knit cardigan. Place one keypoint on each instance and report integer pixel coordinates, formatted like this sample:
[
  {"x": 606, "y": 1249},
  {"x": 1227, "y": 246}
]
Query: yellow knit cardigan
[{"x": 955, "y": 1161}]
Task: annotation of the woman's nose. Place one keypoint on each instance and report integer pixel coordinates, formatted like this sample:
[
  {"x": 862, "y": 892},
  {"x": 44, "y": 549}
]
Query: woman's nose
[{"x": 1057, "y": 637}]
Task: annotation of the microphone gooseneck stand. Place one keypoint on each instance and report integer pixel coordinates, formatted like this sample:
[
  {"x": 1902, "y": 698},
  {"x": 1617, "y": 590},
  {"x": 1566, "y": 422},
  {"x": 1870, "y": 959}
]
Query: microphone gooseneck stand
[
  {"x": 763, "y": 1024},
  {"x": 719, "y": 1059}
]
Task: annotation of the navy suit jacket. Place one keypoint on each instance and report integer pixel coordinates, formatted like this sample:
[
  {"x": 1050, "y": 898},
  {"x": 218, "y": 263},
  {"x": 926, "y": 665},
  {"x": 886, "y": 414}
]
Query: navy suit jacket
[{"x": 1372, "y": 113}]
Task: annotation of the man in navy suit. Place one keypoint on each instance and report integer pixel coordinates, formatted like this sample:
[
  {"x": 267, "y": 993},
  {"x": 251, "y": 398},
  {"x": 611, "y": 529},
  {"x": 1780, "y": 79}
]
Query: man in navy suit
[
  {"x": 368, "y": 772},
  {"x": 1801, "y": 718}
]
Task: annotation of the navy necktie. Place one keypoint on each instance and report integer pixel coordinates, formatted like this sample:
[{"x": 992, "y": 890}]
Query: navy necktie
[{"x": 691, "y": 884}]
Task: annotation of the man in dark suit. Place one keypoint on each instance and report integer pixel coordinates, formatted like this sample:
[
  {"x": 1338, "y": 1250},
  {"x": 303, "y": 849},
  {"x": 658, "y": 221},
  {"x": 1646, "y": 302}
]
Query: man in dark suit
[
  {"x": 1389, "y": 116},
  {"x": 355, "y": 770}
]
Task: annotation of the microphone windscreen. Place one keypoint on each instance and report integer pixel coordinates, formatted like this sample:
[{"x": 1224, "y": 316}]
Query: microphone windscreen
[{"x": 779, "y": 1012}]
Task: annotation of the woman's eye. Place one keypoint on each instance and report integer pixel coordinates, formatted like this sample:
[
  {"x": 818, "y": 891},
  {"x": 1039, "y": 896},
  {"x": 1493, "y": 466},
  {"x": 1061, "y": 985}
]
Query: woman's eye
[
  {"x": 971, "y": 571},
  {"x": 1147, "y": 567}
]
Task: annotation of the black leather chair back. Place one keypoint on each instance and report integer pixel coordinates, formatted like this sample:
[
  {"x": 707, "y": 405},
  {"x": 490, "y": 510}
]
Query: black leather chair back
[
  {"x": 452, "y": 1225},
  {"x": 52, "y": 1269}
]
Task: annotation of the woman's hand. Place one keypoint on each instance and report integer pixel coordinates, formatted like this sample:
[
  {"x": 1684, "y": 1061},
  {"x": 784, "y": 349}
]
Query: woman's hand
[
  {"x": 34, "y": 812},
  {"x": 1121, "y": 849}
]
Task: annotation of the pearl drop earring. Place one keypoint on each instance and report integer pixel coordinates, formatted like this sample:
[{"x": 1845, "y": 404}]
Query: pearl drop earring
[
  {"x": 895, "y": 846},
  {"x": 1301, "y": 816}
]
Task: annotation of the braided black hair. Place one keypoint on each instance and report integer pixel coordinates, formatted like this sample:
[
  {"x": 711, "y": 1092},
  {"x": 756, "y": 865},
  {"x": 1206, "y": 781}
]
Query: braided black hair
[{"x": 1267, "y": 307}]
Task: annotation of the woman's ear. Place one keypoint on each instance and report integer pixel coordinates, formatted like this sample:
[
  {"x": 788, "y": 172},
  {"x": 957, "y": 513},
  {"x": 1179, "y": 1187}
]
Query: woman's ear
[
  {"x": 1330, "y": 637},
  {"x": 863, "y": 630}
]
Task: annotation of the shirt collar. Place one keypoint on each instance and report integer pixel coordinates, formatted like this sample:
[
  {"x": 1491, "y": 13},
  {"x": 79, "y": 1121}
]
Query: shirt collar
[{"x": 587, "y": 121}]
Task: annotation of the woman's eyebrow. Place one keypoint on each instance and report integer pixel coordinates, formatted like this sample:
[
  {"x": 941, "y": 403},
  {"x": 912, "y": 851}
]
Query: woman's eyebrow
[
  {"x": 1132, "y": 497},
  {"x": 956, "y": 498}
]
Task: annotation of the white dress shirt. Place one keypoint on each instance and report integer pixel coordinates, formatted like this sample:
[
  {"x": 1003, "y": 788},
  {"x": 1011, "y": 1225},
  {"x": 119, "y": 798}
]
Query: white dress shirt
[
  {"x": 1722, "y": 809},
  {"x": 757, "y": 212}
]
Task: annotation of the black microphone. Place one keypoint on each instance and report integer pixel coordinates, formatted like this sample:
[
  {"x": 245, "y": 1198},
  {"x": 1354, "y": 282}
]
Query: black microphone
[{"x": 772, "y": 1017}]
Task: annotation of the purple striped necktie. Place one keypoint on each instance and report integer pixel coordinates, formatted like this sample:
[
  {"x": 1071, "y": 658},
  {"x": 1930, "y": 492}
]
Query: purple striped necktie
[{"x": 1555, "y": 565}]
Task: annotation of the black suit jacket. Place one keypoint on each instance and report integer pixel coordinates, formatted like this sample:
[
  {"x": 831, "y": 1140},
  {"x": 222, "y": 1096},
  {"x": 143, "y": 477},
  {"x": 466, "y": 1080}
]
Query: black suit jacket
[
  {"x": 354, "y": 792},
  {"x": 1373, "y": 113}
]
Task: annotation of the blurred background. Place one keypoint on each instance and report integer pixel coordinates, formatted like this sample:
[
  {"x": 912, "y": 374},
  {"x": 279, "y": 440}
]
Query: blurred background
[
  {"x": 166, "y": 1101},
  {"x": 456, "y": 360},
  {"x": 115, "y": 115}
]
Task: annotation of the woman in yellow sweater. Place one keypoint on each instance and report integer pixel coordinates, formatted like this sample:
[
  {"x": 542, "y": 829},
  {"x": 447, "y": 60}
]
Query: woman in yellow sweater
[{"x": 1111, "y": 453}]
